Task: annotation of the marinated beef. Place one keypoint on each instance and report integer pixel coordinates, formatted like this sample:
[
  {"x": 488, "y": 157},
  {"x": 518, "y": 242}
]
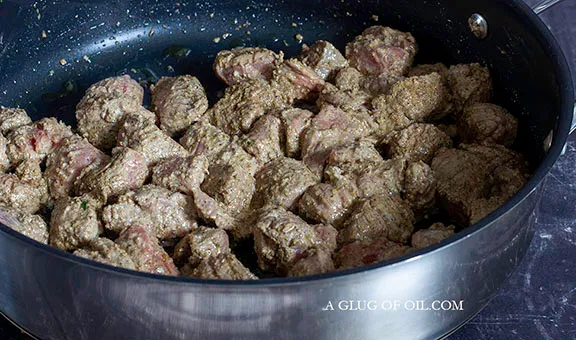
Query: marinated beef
[
  {"x": 36, "y": 141},
  {"x": 203, "y": 138},
  {"x": 183, "y": 174},
  {"x": 382, "y": 50},
  {"x": 105, "y": 251},
  {"x": 281, "y": 183},
  {"x": 168, "y": 215},
  {"x": 323, "y": 58},
  {"x": 424, "y": 69},
  {"x": 434, "y": 234},
  {"x": 296, "y": 81},
  {"x": 25, "y": 190},
  {"x": 126, "y": 171},
  {"x": 104, "y": 107},
  {"x": 231, "y": 184},
  {"x": 362, "y": 253},
  {"x": 12, "y": 118},
  {"x": 281, "y": 238},
  {"x": 217, "y": 213},
  {"x": 419, "y": 187},
  {"x": 469, "y": 84},
  {"x": 224, "y": 266},
  {"x": 349, "y": 101},
  {"x": 380, "y": 216},
  {"x": 30, "y": 225},
  {"x": 140, "y": 134},
  {"x": 316, "y": 261},
  {"x": 145, "y": 251},
  {"x": 241, "y": 64},
  {"x": 265, "y": 140},
  {"x": 418, "y": 142},
  {"x": 4, "y": 161},
  {"x": 178, "y": 102},
  {"x": 293, "y": 123},
  {"x": 326, "y": 203},
  {"x": 65, "y": 165},
  {"x": 199, "y": 244},
  {"x": 485, "y": 123},
  {"x": 75, "y": 222}
]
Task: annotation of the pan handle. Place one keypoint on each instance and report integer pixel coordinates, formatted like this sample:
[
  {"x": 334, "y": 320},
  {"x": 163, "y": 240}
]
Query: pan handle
[{"x": 544, "y": 5}]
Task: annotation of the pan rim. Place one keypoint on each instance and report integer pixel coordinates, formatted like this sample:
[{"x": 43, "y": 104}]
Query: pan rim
[{"x": 560, "y": 64}]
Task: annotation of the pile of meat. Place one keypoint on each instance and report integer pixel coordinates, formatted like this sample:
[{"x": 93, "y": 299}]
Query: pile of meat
[{"x": 323, "y": 162}]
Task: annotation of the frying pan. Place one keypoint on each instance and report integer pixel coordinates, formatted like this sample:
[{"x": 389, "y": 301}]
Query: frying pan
[{"x": 55, "y": 295}]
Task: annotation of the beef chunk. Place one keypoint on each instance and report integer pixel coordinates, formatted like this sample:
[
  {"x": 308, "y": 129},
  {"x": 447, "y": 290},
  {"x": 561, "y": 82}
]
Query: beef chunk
[
  {"x": 413, "y": 99},
  {"x": 145, "y": 251},
  {"x": 330, "y": 128},
  {"x": 12, "y": 118},
  {"x": 474, "y": 180},
  {"x": 316, "y": 261},
  {"x": 36, "y": 141},
  {"x": 487, "y": 123},
  {"x": 230, "y": 184},
  {"x": 362, "y": 253},
  {"x": 427, "y": 237},
  {"x": 293, "y": 122},
  {"x": 281, "y": 183},
  {"x": 30, "y": 225},
  {"x": 354, "y": 156},
  {"x": 281, "y": 238},
  {"x": 419, "y": 189},
  {"x": 205, "y": 139},
  {"x": 297, "y": 81},
  {"x": 26, "y": 189},
  {"x": 183, "y": 174},
  {"x": 243, "y": 103},
  {"x": 382, "y": 50},
  {"x": 199, "y": 244},
  {"x": 241, "y": 64},
  {"x": 224, "y": 267},
  {"x": 349, "y": 101},
  {"x": 104, "y": 106},
  {"x": 178, "y": 102},
  {"x": 4, "y": 160},
  {"x": 469, "y": 83},
  {"x": 326, "y": 203},
  {"x": 323, "y": 58},
  {"x": 74, "y": 222},
  {"x": 376, "y": 217},
  {"x": 127, "y": 170},
  {"x": 424, "y": 69},
  {"x": 265, "y": 140},
  {"x": 167, "y": 214},
  {"x": 143, "y": 136},
  {"x": 418, "y": 142},
  {"x": 105, "y": 251},
  {"x": 217, "y": 213},
  {"x": 64, "y": 166}
]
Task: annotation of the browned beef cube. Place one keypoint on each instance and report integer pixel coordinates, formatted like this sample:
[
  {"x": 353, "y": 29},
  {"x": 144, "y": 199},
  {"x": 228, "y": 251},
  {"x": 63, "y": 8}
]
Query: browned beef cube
[
  {"x": 485, "y": 123},
  {"x": 323, "y": 58},
  {"x": 316, "y": 261},
  {"x": 434, "y": 234},
  {"x": 362, "y": 253},
  {"x": 418, "y": 142},
  {"x": 297, "y": 81},
  {"x": 241, "y": 64},
  {"x": 469, "y": 84}
]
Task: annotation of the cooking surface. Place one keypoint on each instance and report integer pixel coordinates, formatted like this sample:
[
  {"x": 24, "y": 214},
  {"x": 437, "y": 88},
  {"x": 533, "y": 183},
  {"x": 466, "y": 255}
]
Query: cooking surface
[{"x": 539, "y": 300}]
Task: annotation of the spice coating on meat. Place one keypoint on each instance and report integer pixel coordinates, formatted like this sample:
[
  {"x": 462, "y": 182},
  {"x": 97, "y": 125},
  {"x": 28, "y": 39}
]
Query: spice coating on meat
[
  {"x": 127, "y": 170},
  {"x": 12, "y": 118},
  {"x": 427, "y": 237},
  {"x": 362, "y": 253},
  {"x": 30, "y": 225},
  {"x": 265, "y": 140},
  {"x": 105, "y": 251},
  {"x": 323, "y": 58},
  {"x": 64, "y": 166},
  {"x": 167, "y": 214},
  {"x": 183, "y": 174},
  {"x": 241, "y": 64},
  {"x": 103, "y": 108},
  {"x": 281, "y": 183},
  {"x": 74, "y": 222},
  {"x": 224, "y": 267},
  {"x": 413, "y": 99},
  {"x": 297, "y": 81},
  {"x": 201, "y": 243},
  {"x": 419, "y": 187},
  {"x": 203, "y": 138},
  {"x": 26, "y": 189},
  {"x": 145, "y": 251},
  {"x": 178, "y": 102},
  {"x": 281, "y": 238},
  {"x": 418, "y": 142},
  {"x": 294, "y": 122},
  {"x": 376, "y": 217},
  {"x": 243, "y": 103},
  {"x": 36, "y": 141},
  {"x": 382, "y": 50},
  {"x": 469, "y": 83},
  {"x": 4, "y": 161},
  {"x": 485, "y": 123},
  {"x": 140, "y": 134},
  {"x": 325, "y": 203},
  {"x": 317, "y": 261}
]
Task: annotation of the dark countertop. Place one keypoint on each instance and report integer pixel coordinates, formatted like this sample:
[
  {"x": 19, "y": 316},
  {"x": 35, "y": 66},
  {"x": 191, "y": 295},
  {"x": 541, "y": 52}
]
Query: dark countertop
[{"x": 539, "y": 299}]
